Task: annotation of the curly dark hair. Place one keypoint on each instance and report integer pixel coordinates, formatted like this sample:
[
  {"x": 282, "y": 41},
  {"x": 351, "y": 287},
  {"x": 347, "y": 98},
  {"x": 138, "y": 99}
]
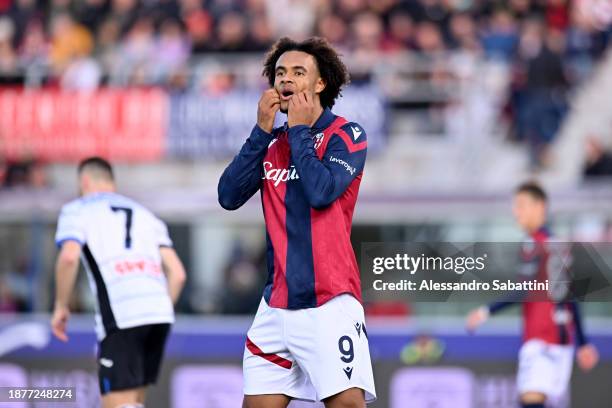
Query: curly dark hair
[{"x": 333, "y": 71}]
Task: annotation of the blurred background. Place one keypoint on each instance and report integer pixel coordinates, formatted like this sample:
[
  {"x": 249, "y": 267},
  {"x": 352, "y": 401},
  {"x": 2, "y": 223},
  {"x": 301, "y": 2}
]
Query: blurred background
[{"x": 461, "y": 99}]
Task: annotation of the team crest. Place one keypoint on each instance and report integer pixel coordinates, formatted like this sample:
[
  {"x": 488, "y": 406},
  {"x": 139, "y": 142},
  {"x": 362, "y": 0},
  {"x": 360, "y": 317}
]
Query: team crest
[{"x": 318, "y": 139}]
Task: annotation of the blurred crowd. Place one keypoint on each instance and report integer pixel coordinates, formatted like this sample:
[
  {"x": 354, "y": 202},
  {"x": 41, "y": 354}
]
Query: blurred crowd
[
  {"x": 549, "y": 44},
  {"x": 84, "y": 43}
]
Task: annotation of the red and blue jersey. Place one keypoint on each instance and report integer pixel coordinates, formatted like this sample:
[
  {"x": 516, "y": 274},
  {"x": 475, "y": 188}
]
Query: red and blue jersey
[
  {"x": 553, "y": 321},
  {"x": 309, "y": 181}
]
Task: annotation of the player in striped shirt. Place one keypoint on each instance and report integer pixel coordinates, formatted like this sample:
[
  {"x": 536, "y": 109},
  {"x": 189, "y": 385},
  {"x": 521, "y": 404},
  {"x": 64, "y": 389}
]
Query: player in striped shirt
[
  {"x": 308, "y": 340},
  {"x": 551, "y": 327},
  {"x": 135, "y": 274}
]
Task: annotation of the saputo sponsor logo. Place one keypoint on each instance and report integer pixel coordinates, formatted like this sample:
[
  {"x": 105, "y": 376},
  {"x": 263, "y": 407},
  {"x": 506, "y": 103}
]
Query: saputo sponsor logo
[
  {"x": 344, "y": 164},
  {"x": 279, "y": 175}
]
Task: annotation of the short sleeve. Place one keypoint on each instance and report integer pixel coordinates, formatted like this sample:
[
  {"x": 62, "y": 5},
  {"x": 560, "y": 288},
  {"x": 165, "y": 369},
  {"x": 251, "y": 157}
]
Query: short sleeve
[
  {"x": 70, "y": 226},
  {"x": 161, "y": 231}
]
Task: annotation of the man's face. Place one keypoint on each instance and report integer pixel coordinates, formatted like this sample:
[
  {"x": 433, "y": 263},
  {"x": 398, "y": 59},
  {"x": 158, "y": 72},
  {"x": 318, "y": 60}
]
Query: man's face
[
  {"x": 296, "y": 72},
  {"x": 529, "y": 212}
]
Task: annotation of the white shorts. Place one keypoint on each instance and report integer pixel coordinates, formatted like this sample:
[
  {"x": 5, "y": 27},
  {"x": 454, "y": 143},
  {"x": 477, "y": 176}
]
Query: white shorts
[
  {"x": 545, "y": 368},
  {"x": 309, "y": 354}
]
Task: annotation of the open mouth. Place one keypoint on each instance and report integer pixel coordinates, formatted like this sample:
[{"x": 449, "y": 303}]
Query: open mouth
[{"x": 286, "y": 95}]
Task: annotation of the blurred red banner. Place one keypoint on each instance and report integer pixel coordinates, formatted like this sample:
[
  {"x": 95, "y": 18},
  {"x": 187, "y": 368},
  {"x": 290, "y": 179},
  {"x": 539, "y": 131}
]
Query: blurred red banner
[{"x": 60, "y": 126}]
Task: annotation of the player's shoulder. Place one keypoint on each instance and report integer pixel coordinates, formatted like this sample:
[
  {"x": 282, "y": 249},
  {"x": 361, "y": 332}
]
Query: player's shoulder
[
  {"x": 141, "y": 208},
  {"x": 73, "y": 207},
  {"x": 351, "y": 133},
  {"x": 353, "y": 128},
  {"x": 121, "y": 200}
]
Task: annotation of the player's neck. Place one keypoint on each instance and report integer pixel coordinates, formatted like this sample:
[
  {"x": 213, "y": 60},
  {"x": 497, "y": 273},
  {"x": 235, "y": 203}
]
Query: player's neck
[
  {"x": 535, "y": 228},
  {"x": 318, "y": 112},
  {"x": 103, "y": 188}
]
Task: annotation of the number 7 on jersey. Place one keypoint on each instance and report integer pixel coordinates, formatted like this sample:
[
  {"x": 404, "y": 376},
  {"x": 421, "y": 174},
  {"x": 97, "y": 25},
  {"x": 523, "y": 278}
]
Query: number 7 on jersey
[{"x": 128, "y": 224}]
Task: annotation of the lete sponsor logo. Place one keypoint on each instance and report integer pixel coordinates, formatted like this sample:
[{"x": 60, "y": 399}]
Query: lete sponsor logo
[
  {"x": 344, "y": 164},
  {"x": 279, "y": 175}
]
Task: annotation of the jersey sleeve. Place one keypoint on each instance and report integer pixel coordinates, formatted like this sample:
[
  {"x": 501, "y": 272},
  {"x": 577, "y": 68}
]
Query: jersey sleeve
[
  {"x": 326, "y": 179},
  {"x": 242, "y": 178},
  {"x": 70, "y": 225},
  {"x": 497, "y": 307},
  {"x": 162, "y": 235},
  {"x": 581, "y": 338}
]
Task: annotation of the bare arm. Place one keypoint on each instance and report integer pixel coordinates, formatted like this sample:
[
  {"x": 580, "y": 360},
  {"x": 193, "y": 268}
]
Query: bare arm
[
  {"x": 175, "y": 272},
  {"x": 66, "y": 270}
]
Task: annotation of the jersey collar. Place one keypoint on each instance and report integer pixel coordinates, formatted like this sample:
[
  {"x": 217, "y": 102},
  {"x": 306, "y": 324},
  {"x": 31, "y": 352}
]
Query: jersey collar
[
  {"x": 326, "y": 119},
  {"x": 541, "y": 233}
]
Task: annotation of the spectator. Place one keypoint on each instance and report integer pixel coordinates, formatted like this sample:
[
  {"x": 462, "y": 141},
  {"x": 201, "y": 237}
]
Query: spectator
[
  {"x": 8, "y": 57},
  {"x": 82, "y": 74},
  {"x": 91, "y": 13},
  {"x": 557, "y": 16},
  {"x": 598, "y": 161},
  {"x": 172, "y": 48},
  {"x": 367, "y": 39},
  {"x": 25, "y": 173},
  {"x": 401, "y": 32},
  {"x": 70, "y": 40},
  {"x": 200, "y": 29},
  {"x": 332, "y": 27},
  {"x": 34, "y": 48},
  {"x": 231, "y": 32},
  {"x": 107, "y": 37},
  {"x": 136, "y": 53},
  {"x": 22, "y": 13},
  {"x": 125, "y": 12},
  {"x": 463, "y": 34},
  {"x": 5, "y": 6},
  {"x": 429, "y": 38},
  {"x": 260, "y": 34},
  {"x": 543, "y": 102},
  {"x": 241, "y": 294},
  {"x": 367, "y": 33},
  {"x": 500, "y": 38},
  {"x": 10, "y": 302},
  {"x": 521, "y": 9},
  {"x": 293, "y": 18},
  {"x": 435, "y": 11},
  {"x": 349, "y": 9}
]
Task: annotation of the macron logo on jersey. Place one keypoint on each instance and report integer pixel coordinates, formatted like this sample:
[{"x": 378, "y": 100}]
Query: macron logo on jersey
[
  {"x": 356, "y": 132},
  {"x": 279, "y": 175}
]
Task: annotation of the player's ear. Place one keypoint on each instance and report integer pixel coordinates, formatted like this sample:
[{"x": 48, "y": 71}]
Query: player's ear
[{"x": 320, "y": 85}]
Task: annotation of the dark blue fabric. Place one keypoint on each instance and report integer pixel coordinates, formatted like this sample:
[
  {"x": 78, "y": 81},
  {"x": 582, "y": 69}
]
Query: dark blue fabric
[
  {"x": 325, "y": 180},
  {"x": 270, "y": 263},
  {"x": 300, "y": 262},
  {"x": 581, "y": 338},
  {"x": 242, "y": 178}
]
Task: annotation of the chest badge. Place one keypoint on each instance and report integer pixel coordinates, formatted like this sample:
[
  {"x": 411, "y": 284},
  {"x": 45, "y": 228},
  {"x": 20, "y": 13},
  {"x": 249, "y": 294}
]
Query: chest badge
[{"x": 318, "y": 140}]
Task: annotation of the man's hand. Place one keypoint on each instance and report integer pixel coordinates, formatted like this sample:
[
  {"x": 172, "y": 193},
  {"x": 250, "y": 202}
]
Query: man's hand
[
  {"x": 269, "y": 103},
  {"x": 59, "y": 322},
  {"x": 587, "y": 357},
  {"x": 476, "y": 318},
  {"x": 301, "y": 110}
]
